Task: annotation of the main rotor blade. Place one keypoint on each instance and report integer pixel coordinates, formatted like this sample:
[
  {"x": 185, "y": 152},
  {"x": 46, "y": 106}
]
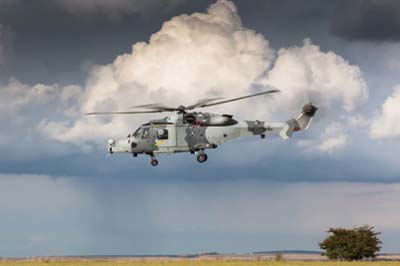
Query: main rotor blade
[
  {"x": 202, "y": 102},
  {"x": 124, "y": 113},
  {"x": 159, "y": 108},
  {"x": 239, "y": 98},
  {"x": 156, "y": 106}
]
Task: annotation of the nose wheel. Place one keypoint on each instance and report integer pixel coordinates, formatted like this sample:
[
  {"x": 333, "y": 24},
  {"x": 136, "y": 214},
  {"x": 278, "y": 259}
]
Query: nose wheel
[
  {"x": 154, "y": 161},
  {"x": 202, "y": 157}
]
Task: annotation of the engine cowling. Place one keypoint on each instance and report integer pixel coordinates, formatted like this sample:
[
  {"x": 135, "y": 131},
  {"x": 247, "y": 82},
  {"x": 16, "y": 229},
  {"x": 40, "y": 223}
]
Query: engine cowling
[{"x": 208, "y": 119}]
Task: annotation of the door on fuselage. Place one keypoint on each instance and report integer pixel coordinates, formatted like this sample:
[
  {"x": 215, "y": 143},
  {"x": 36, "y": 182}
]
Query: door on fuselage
[{"x": 165, "y": 137}]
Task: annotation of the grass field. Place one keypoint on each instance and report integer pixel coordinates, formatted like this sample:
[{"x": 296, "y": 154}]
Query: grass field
[{"x": 202, "y": 263}]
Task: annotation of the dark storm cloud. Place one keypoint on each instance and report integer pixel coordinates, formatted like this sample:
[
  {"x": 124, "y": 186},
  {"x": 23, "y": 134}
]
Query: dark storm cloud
[
  {"x": 7, "y": 36},
  {"x": 367, "y": 20},
  {"x": 287, "y": 21},
  {"x": 53, "y": 45}
]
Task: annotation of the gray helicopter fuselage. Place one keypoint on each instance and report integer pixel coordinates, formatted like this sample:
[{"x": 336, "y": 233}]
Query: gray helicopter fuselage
[
  {"x": 193, "y": 132},
  {"x": 190, "y": 131}
]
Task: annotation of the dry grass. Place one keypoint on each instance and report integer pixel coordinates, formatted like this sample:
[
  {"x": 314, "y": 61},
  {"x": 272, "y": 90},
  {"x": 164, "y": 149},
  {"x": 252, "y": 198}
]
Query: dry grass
[{"x": 199, "y": 263}]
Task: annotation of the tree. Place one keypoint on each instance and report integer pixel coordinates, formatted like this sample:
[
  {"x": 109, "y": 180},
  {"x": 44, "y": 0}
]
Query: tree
[{"x": 351, "y": 244}]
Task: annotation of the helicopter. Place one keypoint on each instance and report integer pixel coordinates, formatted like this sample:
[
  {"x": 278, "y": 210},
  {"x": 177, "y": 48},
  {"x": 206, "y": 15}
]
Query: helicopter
[{"x": 192, "y": 131}]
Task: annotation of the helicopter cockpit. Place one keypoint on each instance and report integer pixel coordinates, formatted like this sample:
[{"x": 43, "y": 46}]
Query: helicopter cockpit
[{"x": 140, "y": 133}]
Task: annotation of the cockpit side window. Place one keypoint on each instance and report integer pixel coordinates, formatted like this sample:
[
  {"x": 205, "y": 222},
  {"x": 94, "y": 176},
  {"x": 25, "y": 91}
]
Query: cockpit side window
[
  {"x": 162, "y": 133},
  {"x": 145, "y": 133},
  {"x": 137, "y": 132}
]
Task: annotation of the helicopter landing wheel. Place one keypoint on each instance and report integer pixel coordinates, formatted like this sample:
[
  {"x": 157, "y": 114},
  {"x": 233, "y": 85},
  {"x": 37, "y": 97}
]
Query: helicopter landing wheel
[
  {"x": 202, "y": 157},
  {"x": 154, "y": 162}
]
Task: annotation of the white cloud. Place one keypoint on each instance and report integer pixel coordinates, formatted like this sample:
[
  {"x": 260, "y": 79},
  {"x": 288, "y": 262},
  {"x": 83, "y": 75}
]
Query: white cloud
[
  {"x": 308, "y": 74},
  {"x": 337, "y": 135},
  {"x": 358, "y": 121},
  {"x": 113, "y": 7},
  {"x": 332, "y": 139},
  {"x": 191, "y": 57},
  {"x": 16, "y": 95},
  {"x": 23, "y": 107},
  {"x": 204, "y": 55},
  {"x": 333, "y": 143},
  {"x": 386, "y": 124}
]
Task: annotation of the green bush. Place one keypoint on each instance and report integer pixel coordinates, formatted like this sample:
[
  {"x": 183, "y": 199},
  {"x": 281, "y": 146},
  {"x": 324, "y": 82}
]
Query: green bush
[{"x": 351, "y": 244}]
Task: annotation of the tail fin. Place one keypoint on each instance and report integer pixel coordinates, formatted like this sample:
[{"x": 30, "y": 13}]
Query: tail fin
[{"x": 302, "y": 122}]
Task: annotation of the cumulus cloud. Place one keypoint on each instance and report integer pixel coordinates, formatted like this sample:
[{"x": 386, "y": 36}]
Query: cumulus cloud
[
  {"x": 332, "y": 139},
  {"x": 23, "y": 107},
  {"x": 358, "y": 121},
  {"x": 386, "y": 123},
  {"x": 191, "y": 57},
  {"x": 308, "y": 74},
  {"x": 16, "y": 96},
  {"x": 206, "y": 55},
  {"x": 113, "y": 7}
]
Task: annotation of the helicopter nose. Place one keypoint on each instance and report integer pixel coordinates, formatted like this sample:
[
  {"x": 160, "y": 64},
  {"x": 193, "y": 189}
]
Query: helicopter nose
[
  {"x": 134, "y": 143},
  {"x": 111, "y": 144}
]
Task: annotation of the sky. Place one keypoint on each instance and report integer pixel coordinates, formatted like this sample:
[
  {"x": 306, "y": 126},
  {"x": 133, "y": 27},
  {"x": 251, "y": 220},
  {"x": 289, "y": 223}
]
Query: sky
[{"x": 62, "y": 195}]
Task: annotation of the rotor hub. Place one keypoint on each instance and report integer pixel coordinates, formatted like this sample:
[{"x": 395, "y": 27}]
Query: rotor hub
[{"x": 181, "y": 109}]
